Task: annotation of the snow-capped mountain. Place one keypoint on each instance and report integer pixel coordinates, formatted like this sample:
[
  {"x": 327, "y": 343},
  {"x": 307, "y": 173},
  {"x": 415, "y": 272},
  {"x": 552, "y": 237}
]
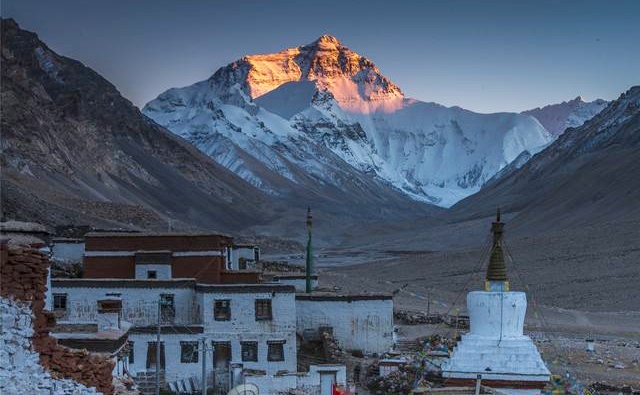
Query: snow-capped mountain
[
  {"x": 589, "y": 174},
  {"x": 322, "y": 114},
  {"x": 568, "y": 114}
]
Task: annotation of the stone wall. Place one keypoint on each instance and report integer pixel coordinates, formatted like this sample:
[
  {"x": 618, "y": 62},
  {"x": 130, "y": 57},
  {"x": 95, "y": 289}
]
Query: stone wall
[
  {"x": 23, "y": 277},
  {"x": 20, "y": 368}
]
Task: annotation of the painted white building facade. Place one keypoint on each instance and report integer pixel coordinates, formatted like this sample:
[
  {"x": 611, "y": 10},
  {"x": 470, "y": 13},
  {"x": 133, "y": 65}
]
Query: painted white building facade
[
  {"x": 242, "y": 256},
  {"x": 358, "y": 322},
  {"x": 246, "y": 327}
]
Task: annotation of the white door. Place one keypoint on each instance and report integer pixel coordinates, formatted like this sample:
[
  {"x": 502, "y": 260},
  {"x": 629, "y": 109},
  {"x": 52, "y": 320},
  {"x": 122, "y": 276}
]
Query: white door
[{"x": 326, "y": 382}]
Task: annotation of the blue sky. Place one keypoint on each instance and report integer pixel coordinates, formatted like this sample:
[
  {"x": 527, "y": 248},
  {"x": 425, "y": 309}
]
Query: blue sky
[{"x": 486, "y": 56}]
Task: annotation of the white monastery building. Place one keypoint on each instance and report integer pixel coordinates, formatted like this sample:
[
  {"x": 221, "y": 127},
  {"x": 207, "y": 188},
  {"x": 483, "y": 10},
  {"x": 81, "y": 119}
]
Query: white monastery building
[{"x": 185, "y": 286}]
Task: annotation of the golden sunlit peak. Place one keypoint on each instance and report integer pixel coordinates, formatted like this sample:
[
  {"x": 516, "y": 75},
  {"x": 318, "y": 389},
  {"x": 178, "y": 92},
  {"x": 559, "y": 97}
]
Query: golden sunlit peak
[{"x": 327, "y": 39}]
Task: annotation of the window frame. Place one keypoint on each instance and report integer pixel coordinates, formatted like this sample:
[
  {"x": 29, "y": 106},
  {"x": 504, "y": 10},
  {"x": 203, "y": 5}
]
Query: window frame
[
  {"x": 259, "y": 310},
  {"x": 254, "y": 346},
  {"x": 280, "y": 345},
  {"x": 222, "y": 302},
  {"x": 66, "y": 301},
  {"x": 167, "y": 308},
  {"x": 194, "y": 351}
]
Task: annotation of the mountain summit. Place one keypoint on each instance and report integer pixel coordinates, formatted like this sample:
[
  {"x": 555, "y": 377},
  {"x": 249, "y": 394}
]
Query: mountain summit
[
  {"x": 321, "y": 115},
  {"x": 353, "y": 80}
]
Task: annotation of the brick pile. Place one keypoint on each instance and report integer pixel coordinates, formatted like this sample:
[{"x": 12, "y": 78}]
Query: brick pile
[{"x": 23, "y": 276}]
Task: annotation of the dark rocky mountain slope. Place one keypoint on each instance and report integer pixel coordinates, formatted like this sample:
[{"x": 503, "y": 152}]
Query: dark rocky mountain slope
[
  {"x": 591, "y": 174},
  {"x": 75, "y": 151}
]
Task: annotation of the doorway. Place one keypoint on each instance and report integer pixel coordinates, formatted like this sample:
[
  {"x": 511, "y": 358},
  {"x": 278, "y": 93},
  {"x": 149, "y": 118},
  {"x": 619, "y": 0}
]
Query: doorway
[
  {"x": 327, "y": 380},
  {"x": 221, "y": 362},
  {"x": 151, "y": 355}
]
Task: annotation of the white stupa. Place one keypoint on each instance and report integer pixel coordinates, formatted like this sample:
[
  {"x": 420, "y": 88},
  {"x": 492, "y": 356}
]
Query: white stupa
[{"x": 495, "y": 349}]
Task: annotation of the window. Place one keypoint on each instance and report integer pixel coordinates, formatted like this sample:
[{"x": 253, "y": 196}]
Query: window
[
  {"x": 167, "y": 309},
  {"x": 249, "y": 351},
  {"x": 222, "y": 310},
  {"x": 131, "y": 355},
  {"x": 276, "y": 350},
  {"x": 152, "y": 274},
  {"x": 263, "y": 309},
  {"x": 189, "y": 352},
  {"x": 59, "y": 301}
]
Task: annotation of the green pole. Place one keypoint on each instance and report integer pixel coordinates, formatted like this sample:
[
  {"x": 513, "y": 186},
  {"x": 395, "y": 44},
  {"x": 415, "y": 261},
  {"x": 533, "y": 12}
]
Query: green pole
[{"x": 309, "y": 267}]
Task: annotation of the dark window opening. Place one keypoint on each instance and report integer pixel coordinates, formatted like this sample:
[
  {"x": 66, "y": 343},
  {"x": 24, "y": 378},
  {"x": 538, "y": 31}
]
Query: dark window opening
[
  {"x": 167, "y": 308},
  {"x": 59, "y": 301},
  {"x": 263, "y": 309},
  {"x": 249, "y": 351},
  {"x": 152, "y": 274},
  {"x": 222, "y": 310},
  {"x": 276, "y": 351},
  {"x": 151, "y": 355},
  {"x": 189, "y": 352},
  {"x": 131, "y": 354}
]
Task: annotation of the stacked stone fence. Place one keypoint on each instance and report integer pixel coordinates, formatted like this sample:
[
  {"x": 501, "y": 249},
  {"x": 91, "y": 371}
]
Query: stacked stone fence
[{"x": 23, "y": 277}]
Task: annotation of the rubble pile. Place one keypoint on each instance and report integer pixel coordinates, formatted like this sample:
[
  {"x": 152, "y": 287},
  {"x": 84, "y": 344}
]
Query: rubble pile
[
  {"x": 416, "y": 317},
  {"x": 603, "y": 388},
  {"x": 332, "y": 351},
  {"x": 395, "y": 383},
  {"x": 23, "y": 276},
  {"x": 281, "y": 267},
  {"x": 20, "y": 369}
]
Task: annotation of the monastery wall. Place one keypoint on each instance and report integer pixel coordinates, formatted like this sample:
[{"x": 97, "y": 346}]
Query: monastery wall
[
  {"x": 243, "y": 325},
  {"x": 23, "y": 277},
  {"x": 359, "y": 322},
  {"x": 139, "y": 303}
]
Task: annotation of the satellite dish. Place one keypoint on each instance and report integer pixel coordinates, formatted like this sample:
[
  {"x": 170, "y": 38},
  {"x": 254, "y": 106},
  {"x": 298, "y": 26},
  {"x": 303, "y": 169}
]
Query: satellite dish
[{"x": 244, "y": 389}]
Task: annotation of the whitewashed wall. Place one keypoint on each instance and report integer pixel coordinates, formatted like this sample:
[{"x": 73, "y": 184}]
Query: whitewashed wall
[
  {"x": 365, "y": 325},
  {"x": 139, "y": 305},
  {"x": 309, "y": 382},
  {"x": 241, "y": 252},
  {"x": 163, "y": 271},
  {"x": 243, "y": 326},
  {"x": 174, "y": 369}
]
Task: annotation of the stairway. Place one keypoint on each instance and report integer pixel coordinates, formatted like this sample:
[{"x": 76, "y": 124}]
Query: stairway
[
  {"x": 407, "y": 346},
  {"x": 146, "y": 382}
]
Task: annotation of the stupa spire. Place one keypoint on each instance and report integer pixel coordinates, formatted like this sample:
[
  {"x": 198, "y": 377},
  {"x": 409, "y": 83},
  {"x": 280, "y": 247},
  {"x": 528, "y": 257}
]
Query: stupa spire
[{"x": 496, "y": 278}]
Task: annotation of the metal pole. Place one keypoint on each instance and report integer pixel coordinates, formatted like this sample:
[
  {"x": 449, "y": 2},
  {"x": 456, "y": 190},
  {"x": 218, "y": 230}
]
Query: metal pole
[
  {"x": 204, "y": 366},
  {"x": 309, "y": 265},
  {"x": 478, "y": 380},
  {"x": 428, "y": 304},
  {"x": 158, "y": 349}
]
